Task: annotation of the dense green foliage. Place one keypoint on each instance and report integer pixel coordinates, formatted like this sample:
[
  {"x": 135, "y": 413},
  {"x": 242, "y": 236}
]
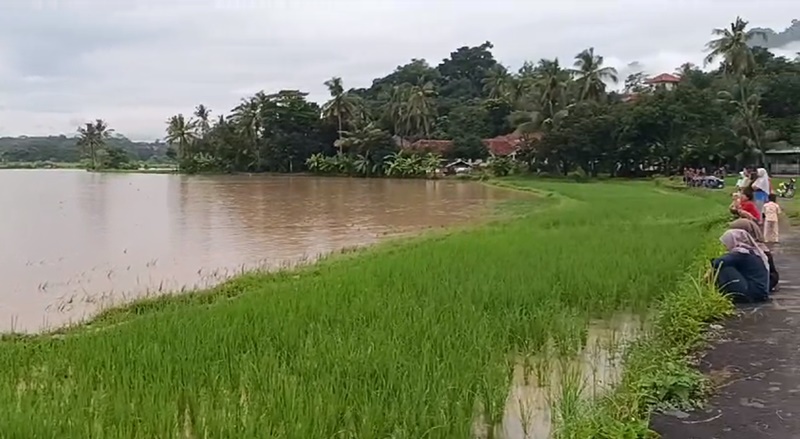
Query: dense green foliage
[
  {"x": 402, "y": 341},
  {"x": 566, "y": 116},
  {"x": 565, "y": 113},
  {"x": 63, "y": 149}
]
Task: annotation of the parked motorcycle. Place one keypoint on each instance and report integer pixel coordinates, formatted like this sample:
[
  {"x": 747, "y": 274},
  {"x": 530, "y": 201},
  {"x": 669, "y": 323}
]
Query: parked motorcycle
[{"x": 786, "y": 189}]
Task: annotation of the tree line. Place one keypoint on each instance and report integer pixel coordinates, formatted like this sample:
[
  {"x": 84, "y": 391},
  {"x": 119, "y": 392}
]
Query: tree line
[
  {"x": 42, "y": 151},
  {"x": 564, "y": 115}
]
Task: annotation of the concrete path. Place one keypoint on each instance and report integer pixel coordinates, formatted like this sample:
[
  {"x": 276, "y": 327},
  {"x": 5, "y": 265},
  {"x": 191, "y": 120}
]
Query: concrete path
[{"x": 756, "y": 367}]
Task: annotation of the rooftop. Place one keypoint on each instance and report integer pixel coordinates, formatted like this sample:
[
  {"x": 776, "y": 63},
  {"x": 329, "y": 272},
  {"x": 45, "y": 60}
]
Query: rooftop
[
  {"x": 792, "y": 150},
  {"x": 664, "y": 78}
]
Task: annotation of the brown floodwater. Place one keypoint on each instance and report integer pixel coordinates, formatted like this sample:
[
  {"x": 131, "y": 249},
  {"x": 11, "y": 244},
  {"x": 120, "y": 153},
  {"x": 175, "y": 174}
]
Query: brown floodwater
[{"x": 72, "y": 242}]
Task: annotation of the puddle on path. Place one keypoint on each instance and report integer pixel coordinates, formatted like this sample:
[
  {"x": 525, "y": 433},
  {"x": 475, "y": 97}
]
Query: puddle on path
[{"x": 537, "y": 391}]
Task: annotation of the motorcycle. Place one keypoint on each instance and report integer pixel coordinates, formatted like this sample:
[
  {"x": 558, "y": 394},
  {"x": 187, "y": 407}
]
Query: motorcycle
[{"x": 786, "y": 189}]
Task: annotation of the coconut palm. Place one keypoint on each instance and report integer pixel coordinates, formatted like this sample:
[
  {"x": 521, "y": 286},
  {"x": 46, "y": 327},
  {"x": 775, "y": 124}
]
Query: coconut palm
[
  {"x": 499, "y": 84},
  {"x": 591, "y": 75},
  {"x": 202, "y": 113},
  {"x": 420, "y": 109},
  {"x": 732, "y": 46},
  {"x": 247, "y": 119},
  {"x": 552, "y": 82},
  {"x": 341, "y": 106},
  {"x": 181, "y": 133},
  {"x": 360, "y": 140},
  {"x": 397, "y": 107},
  {"x": 747, "y": 121},
  {"x": 92, "y": 138}
]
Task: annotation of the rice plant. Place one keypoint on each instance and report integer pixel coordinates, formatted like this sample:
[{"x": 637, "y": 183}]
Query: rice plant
[{"x": 401, "y": 340}]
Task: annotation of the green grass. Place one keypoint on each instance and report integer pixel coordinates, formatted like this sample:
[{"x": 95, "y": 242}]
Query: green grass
[
  {"x": 403, "y": 340},
  {"x": 153, "y": 170},
  {"x": 40, "y": 165}
]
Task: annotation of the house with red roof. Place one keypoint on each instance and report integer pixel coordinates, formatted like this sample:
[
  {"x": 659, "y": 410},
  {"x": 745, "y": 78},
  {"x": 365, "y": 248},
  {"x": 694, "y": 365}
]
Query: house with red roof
[
  {"x": 500, "y": 146},
  {"x": 504, "y": 146},
  {"x": 666, "y": 80}
]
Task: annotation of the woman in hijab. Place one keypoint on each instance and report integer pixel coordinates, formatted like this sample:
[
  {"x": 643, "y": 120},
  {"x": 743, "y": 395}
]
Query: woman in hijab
[
  {"x": 742, "y": 272},
  {"x": 743, "y": 181},
  {"x": 761, "y": 188},
  {"x": 754, "y": 230}
]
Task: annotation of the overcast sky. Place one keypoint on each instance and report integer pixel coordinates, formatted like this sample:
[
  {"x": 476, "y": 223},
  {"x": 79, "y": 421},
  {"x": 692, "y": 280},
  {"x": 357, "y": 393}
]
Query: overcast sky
[{"x": 136, "y": 62}]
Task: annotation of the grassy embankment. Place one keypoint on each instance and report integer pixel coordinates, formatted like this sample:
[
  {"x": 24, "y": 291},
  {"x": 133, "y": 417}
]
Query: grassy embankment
[
  {"x": 403, "y": 340},
  {"x": 165, "y": 169},
  {"x": 40, "y": 165}
]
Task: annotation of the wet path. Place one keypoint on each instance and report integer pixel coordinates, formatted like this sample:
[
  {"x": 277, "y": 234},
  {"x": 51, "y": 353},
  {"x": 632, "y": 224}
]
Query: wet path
[{"x": 756, "y": 368}]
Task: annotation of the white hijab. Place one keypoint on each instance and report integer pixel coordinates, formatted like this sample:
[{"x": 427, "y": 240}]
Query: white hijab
[
  {"x": 743, "y": 181},
  {"x": 762, "y": 182}
]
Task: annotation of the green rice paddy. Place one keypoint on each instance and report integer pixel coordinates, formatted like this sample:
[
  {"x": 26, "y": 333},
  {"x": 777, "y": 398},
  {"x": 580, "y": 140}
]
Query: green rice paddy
[{"x": 405, "y": 340}]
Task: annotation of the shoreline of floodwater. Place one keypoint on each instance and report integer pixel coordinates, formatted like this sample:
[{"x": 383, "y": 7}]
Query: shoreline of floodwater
[
  {"x": 500, "y": 210},
  {"x": 679, "y": 321}
]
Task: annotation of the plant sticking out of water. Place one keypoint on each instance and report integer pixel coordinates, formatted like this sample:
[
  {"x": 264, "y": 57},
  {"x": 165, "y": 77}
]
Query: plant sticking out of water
[{"x": 400, "y": 341}]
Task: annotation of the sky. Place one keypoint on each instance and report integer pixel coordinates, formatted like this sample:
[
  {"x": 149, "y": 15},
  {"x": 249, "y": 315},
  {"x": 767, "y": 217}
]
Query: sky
[{"x": 134, "y": 63}]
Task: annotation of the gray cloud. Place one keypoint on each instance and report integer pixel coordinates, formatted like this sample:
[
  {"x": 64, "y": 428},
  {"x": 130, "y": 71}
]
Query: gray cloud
[{"x": 137, "y": 62}]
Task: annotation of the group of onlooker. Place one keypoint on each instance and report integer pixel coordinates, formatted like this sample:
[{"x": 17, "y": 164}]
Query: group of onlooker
[
  {"x": 697, "y": 177},
  {"x": 747, "y": 271}
]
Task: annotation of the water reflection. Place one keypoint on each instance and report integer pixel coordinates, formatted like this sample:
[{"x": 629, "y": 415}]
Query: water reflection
[
  {"x": 547, "y": 385},
  {"x": 73, "y": 241}
]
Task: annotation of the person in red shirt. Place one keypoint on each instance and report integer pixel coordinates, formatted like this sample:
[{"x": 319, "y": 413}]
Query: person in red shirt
[{"x": 747, "y": 208}]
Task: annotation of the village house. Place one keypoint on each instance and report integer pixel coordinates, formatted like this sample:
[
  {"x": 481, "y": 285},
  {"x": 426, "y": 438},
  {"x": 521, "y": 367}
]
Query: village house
[
  {"x": 783, "y": 159},
  {"x": 664, "y": 80},
  {"x": 500, "y": 146}
]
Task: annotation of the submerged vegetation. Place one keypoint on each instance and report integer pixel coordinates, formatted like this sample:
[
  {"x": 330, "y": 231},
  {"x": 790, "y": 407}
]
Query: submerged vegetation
[{"x": 411, "y": 339}]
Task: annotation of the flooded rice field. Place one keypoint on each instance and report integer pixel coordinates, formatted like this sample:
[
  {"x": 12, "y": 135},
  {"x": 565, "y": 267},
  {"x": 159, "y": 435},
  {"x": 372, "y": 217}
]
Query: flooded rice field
[
  {"x": 74, "y": 242},
  {"x": 546, "y": 386}
]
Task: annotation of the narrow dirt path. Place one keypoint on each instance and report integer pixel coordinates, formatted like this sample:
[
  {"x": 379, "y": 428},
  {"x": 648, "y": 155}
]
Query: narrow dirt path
[{"x": 756, "y": 367}]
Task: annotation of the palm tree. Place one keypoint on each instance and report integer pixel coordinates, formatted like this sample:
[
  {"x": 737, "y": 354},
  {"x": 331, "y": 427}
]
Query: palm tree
[
  {"x": 92, "y": 138},
  {"x": 181, "y": 132},
  {"x": 499, "y": 84},
  {"x": 341, "y": 106},
  {"x": 420, "y": 109},
  {"x": 247, "y": 119},
  {"x": 552, "y": 82},
  {"x": 747, "y": 121},
  {"x": 86, "y": 141},
  {"x": 685, "y": 69},
  {"x": 202, "y": 113},
  {"x": 591, "y": 75},
  {"x": 731, "y": 45},
  {"x": 360, "y": 140},
  {"x": 397, "y": 106}
]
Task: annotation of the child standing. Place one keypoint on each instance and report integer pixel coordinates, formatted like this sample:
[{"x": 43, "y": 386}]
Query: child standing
[{"x": 771, "y": 211}]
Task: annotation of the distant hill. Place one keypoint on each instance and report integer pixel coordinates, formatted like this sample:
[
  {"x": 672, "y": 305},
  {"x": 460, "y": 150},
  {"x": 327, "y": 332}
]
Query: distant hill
[
  {"x": 65, "y": 149},
  {"x": 776, "y": 40}
]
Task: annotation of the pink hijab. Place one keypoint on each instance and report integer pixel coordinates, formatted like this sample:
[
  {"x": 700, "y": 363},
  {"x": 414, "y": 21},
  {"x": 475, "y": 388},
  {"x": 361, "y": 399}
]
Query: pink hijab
[{"x": 739, "y": 241}]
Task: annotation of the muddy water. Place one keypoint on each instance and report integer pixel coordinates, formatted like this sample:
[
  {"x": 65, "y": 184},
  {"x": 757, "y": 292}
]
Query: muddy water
[
  {"x": 73, "y": 241},
  {"x": 541, "y": 389}
]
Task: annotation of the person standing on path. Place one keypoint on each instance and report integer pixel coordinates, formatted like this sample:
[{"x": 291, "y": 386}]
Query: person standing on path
[
  {"x": 743, "y": 181},
  {"x": 761, "y": 189},
  {"x": 772, "y": 210}
]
